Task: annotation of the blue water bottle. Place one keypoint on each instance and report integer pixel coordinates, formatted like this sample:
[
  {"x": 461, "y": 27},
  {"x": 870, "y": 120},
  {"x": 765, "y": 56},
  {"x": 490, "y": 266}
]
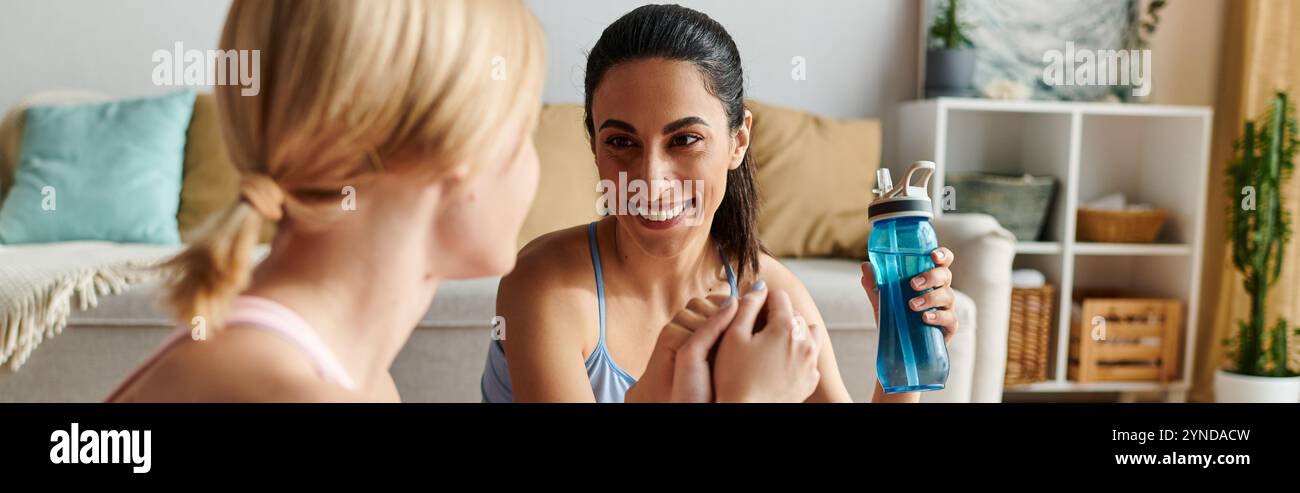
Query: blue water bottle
[{"x": 911, "y": 355}]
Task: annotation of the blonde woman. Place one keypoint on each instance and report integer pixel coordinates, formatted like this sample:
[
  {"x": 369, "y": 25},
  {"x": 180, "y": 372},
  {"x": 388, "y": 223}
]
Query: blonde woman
[
  {"x": 398, "y": 100},
  {"x": 426, "y": 109}
]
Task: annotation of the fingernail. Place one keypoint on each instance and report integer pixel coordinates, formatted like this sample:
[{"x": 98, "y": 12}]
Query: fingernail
[
  {"x": 758, "y": 286},
  {"x": 931, "y": 316},
  {"x": 938, "y": 254},
  {"x": 918, "y": 282},
  {"x": 725, "y": 304},
  {"x": 917, "y": 302}
]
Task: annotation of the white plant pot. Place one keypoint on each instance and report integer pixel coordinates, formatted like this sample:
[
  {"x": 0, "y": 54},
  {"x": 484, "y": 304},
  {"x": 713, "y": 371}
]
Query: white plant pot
[{"x": 1233, "y": 387}]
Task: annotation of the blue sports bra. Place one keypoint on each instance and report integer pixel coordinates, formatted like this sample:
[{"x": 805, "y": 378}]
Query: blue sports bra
[{"x": 609, "y": 383}]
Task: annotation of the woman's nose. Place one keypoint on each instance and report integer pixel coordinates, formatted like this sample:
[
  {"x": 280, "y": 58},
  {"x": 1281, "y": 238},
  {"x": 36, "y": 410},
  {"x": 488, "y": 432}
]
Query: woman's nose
[{"x": 657, "y": 172}]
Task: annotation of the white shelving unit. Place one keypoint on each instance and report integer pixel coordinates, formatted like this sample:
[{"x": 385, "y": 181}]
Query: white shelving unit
[{"x": 1153, "y": 154}]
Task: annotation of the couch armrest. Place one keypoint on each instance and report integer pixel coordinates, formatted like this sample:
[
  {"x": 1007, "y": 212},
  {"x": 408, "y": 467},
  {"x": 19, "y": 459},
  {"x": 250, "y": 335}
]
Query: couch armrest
[{"x": 984, "y": 252}]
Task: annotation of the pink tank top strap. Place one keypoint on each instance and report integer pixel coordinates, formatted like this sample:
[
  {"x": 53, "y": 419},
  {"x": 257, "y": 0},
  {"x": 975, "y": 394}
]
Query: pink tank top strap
[{"x": 260, "y": 313}]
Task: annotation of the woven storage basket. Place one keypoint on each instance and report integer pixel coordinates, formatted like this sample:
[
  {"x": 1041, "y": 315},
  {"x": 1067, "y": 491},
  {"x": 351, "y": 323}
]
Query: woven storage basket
[
  {"x": 1120, "y": 226},
  {"x": 1019, "y": 203},
  {"x": 1029, "y": 335}
]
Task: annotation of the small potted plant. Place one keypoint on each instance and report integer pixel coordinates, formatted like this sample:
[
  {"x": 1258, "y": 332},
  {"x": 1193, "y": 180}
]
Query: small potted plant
[
  {"x": 950, "y": 59},
  {"x": 1259, "y": 231}
]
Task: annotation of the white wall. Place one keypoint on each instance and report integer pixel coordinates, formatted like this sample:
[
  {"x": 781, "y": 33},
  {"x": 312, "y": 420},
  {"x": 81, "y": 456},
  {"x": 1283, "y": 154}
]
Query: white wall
[
  {"x": 100, "y": 45},
  {"x": 860, "y": 54},
  {"x": 1185, "y": 52}
]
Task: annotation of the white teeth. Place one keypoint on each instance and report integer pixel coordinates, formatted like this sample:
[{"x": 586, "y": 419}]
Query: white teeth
[{"x": 662, "y": 214}]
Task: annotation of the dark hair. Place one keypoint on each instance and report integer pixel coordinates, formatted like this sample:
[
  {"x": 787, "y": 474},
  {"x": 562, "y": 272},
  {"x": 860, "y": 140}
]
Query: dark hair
[{"x": 677, "y": 33}]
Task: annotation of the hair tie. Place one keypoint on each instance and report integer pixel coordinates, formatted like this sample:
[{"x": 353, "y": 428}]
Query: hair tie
[{"x": 263, "y": 194}]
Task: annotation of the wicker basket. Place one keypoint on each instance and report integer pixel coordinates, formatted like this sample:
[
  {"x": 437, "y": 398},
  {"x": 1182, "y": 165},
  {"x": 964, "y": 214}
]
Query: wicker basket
[
  {"x": 1019, "y": 203},
  {"x": 1029, "y": 335},
  {"x": 1121, "y": 226}
]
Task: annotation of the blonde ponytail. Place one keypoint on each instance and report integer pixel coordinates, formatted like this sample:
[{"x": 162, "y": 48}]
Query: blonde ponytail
[
  {"x": 203, "y": 278},
  {"x": 346, "y": 84}
]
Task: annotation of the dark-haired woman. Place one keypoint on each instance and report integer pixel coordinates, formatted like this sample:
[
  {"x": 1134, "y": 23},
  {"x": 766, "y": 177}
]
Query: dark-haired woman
[{"x": 673, "y": 296}]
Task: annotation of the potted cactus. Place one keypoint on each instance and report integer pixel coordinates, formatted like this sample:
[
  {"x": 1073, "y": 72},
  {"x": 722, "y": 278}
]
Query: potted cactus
[
  {"x": 1259, "y": 230},
  {"x": 950, "y": 59}
]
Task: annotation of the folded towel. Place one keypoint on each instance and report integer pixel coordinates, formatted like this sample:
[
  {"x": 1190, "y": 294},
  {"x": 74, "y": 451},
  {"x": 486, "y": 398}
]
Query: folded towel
[
  {"x": 40, "y": 282},
  {"x": 1027, "y": 279}
]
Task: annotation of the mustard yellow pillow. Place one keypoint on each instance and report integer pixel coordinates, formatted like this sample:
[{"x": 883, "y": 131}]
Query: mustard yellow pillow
[
  {"x": 211, "y": 181},
  {"x": 815, "y": 176},
  {"x": 11, "y": 139},
  {"x": 566, "y": 191}
]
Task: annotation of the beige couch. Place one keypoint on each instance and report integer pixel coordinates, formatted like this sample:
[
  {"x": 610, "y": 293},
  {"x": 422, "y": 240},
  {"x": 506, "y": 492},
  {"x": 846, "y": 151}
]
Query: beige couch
[{"x": 445, "y": 355}]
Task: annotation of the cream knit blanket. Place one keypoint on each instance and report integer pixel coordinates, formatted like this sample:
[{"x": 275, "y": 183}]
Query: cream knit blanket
[{"x": 40, "y": 283}]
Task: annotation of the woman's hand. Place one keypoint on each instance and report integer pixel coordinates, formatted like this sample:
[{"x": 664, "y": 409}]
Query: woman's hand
[
  {"x": 775, "y": 364},
  {"x": 940, "y": 298},
  {"x": 678, "y": 370}
]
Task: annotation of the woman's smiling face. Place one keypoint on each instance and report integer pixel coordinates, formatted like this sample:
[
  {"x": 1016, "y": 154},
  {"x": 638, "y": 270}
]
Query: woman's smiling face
[{"x": 656, "y": 121}]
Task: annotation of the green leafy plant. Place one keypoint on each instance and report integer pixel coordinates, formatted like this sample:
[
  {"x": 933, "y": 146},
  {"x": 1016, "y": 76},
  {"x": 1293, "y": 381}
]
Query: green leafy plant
[
  {"x": 1264, "y": 158},
  {"x": 948, "y": 31}
]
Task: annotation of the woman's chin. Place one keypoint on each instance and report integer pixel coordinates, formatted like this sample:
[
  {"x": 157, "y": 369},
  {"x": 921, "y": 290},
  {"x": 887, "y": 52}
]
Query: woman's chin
[{"x": 660, "y": 238}]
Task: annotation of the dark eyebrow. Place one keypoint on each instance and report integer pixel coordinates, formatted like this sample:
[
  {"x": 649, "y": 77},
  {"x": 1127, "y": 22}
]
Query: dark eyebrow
[
  {"x": 684, "y": 122},
  {"x": 619, "y": 124}
]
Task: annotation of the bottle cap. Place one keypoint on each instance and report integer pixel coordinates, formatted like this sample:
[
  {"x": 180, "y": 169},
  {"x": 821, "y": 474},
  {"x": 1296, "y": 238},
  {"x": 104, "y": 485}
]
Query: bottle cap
[{"x": 905, "y": 199}]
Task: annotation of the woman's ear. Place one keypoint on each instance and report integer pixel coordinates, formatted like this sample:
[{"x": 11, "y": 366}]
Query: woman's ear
[
  {"x": 471, "y": 181},
  {"x": 459, "y": 179},
  {"x": 742, "y": 141}
]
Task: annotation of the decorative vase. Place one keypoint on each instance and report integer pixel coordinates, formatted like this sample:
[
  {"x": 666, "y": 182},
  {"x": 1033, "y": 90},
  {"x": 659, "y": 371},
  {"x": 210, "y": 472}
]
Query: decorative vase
[{"x": 949, "y": 72}]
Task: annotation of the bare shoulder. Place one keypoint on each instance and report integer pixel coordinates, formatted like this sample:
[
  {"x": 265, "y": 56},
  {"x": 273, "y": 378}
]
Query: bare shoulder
[
  {"x": 775, "y": 274},
  {"x": 234, "y": 366},
  {"x": 549, "y": 268},
  {"x": 550, "y": 291}
]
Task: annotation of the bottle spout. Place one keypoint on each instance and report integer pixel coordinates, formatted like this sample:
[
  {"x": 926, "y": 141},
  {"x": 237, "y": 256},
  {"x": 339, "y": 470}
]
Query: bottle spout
[
  {"x": 909, "y": 197},
  {"x": 884, "y": 182}
]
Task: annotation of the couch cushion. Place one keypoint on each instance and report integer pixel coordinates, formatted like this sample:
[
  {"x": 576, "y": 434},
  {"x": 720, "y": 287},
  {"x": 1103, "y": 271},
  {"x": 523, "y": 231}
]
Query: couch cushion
[
  {"x": 11, "y": 128},
  {"x": 211, "y": 181},
  {"x": 566, "y": 189},
  {"x": 815, "y": 176},
  {"x": 112, "y": 170},
  {"x": 836, "y": 288}
]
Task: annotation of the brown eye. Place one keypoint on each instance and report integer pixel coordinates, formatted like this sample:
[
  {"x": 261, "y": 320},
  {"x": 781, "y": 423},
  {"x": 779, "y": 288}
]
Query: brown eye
[
  {"x": 684, "y": 140},
  {"x": 619, "y": 142}
]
